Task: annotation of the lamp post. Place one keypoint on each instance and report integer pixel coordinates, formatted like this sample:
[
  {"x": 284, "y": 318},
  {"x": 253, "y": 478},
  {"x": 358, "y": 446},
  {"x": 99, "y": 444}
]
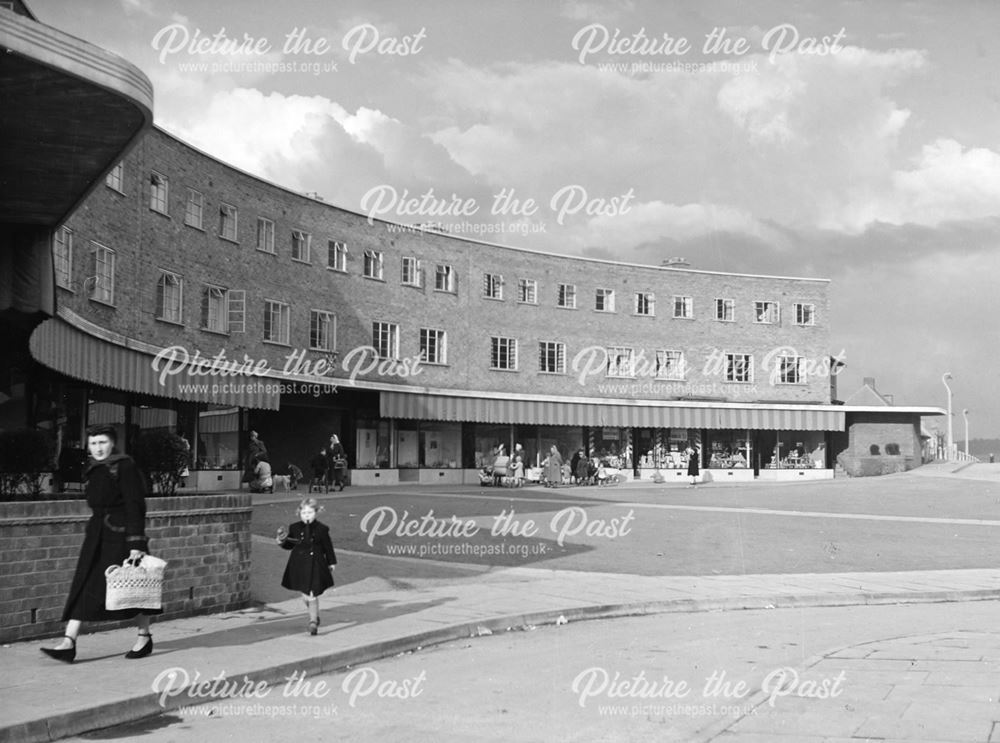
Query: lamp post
[
  {"x": 965, "y": 414},
  {"x": 944, "y": 380}
]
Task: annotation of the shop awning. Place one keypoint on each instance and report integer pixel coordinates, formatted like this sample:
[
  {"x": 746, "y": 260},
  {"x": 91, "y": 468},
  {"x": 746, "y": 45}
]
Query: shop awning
[
  {"x": 558, "y": 413},
  {"x": 75, "y": 353}
]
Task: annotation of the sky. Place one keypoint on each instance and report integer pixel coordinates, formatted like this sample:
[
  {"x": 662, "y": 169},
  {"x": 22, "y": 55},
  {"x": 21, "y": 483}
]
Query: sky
[{"x": 848, "y": 140}]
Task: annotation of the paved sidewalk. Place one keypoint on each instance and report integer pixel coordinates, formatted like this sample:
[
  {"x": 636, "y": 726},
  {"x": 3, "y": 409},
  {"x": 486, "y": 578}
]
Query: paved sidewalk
[{"x": 46, "y": 700}]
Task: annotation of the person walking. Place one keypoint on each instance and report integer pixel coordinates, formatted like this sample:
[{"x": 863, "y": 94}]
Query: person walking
[
  {"x": 553, "y": 468},
  {"x": 312, "y": 561},
  {"x": 336, "y": 461},
  {"x": 692, "y": 457},
  {"x": 116, "y": 494},
  {"x": 256, "y": 450}
]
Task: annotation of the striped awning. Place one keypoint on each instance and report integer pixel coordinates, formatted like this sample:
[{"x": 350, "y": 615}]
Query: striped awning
[
  {"x": 557, "y": 413},
  {"x": 75, "y": 353}
]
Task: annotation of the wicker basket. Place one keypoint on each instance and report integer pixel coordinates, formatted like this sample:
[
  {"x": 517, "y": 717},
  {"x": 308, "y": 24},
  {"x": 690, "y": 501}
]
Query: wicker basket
[{"x": 135, "y": 586}]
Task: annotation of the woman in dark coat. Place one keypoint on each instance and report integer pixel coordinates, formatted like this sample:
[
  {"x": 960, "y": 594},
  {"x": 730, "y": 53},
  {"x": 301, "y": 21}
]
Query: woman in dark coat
[
  {"x": 692, "y": 455},
  {"x": 336, "y": 461},
  {"x": 311, "y": 564},
  {"x": 553, "y": 468},
  {"x": 116, "y": 494}
]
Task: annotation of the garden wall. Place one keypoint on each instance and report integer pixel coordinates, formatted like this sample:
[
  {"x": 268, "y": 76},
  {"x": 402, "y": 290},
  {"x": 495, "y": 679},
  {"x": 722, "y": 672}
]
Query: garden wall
[{"x": 205, "y": 539}]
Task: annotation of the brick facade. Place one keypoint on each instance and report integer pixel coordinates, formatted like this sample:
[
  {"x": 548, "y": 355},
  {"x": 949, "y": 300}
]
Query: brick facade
[
  {"x": 147, "y": 242},
  {"x": 205, "y": 539}
]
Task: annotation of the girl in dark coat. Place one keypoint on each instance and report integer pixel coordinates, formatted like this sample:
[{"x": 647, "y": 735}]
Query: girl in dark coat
[
  {"x": 311, "y": 564},
  {"x": 116, "y": 494}
]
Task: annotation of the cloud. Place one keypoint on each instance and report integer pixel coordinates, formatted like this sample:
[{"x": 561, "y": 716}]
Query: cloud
[{"x": 947, "y": 183}]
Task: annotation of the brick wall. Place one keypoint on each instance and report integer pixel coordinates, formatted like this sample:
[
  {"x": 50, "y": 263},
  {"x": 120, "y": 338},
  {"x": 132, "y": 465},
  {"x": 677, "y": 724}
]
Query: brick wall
[
  {"x": 205, "y": 538},
  {"x": 903, "y": 429},
  {"x": 147, "y": 242}
]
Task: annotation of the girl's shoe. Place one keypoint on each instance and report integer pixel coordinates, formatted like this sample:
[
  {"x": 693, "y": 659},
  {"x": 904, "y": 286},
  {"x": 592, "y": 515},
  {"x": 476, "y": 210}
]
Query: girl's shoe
[
  {"x": 313, "y": 627},
  {"x": 66, "y": 655},
  {"x": 144, "y": 650}
]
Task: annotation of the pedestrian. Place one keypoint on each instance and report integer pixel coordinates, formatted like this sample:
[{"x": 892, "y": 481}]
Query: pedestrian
[
  {"x": 574, "y": 463},
  {"x": 336, "y": 461},
  {"x": 263, "y": 479},
  {"x": 319, "y": 476},
  {"x": 185, "y": 473},
  {"x": 582, "y": 468},
  {"x": 553, "y": 468},
  {"x": 255, "y": 450},
  {"x": 692, "y": 457},
  {"x": 294, "y": 476},
  {"x": 115, "y": 532},
  {"x": 312, "y": 561}
]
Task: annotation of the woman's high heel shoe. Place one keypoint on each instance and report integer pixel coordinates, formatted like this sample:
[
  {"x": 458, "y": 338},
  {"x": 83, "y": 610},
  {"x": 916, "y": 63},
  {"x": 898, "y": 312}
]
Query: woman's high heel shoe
[
  {"x": 66, "y": 655},
  {"x": 144, "y": 650}
]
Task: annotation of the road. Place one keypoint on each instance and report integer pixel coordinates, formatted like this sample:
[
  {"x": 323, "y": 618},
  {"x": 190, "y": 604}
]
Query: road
[{"x": 880, "y": 524}]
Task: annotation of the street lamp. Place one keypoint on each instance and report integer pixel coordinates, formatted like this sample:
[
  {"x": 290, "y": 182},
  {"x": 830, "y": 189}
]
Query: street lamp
[
  {"x": 944, "y": 380},
  {"x": 965, "y": 414}
]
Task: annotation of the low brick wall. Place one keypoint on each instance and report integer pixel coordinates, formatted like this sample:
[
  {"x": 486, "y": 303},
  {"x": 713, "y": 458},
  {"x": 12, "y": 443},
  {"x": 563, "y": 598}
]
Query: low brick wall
[
  {"x": 205, "y": 538},
  {"x": 873, "y": 466}
]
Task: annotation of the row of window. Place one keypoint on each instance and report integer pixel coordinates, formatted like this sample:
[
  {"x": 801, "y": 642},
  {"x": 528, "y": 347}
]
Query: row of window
[
  {"x": 223, "y": 310},
  {"x": 644, "y": 303},
  {"x": 411, "y": 270}
]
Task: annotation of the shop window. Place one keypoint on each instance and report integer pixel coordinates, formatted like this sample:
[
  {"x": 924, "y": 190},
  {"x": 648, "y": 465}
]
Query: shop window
[
  {"x": 218, "y": 439},
  {"x": 373, "y": 447},
  {"x": 440, "y": 445}
]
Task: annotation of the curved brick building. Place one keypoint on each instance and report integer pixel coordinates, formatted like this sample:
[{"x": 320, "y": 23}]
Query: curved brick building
[{"x": 422, "y": 351}]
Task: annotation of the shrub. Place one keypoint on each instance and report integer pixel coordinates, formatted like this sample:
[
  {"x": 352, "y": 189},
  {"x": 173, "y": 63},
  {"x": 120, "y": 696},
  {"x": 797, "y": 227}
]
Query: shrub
[
  {"x": 24, "y": 455},
  {"x": 162, "y": 456}
]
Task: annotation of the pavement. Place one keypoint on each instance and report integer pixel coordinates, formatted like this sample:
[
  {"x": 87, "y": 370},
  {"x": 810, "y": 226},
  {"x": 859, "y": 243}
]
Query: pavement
[{"x": 205, "y": 658}]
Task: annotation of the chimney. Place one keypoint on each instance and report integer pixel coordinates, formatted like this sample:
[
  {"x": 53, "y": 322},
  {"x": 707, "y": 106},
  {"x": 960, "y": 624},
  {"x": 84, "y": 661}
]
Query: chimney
[
  {"x": 676, "y": 263},
  {"x": 869, "y": 382}
]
